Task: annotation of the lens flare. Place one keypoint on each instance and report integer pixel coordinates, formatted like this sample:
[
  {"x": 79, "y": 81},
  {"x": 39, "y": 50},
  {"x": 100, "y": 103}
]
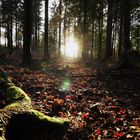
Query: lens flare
[{"x": 65, "y": 85}]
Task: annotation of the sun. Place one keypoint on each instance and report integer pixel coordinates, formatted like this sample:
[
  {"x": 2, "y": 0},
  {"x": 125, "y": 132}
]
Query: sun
[{"x": 72, "y": 47}]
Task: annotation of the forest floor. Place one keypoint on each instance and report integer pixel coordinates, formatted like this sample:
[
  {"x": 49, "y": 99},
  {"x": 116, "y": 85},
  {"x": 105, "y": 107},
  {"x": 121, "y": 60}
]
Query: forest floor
[{"x": 101, "y": 104}]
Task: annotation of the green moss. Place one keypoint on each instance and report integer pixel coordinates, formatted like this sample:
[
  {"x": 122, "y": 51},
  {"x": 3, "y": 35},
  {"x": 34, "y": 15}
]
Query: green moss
[
  {"x": 2, "y": 138},
  {"x": 14, "y": 105},
  {"x": 21, "y": 105},
  {"x": 14, "y": 93},
  {"x": 41, "y": 116}
]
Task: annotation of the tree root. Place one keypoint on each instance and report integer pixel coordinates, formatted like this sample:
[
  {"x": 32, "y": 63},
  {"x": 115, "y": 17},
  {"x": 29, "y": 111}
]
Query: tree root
[{"x": 19, "y": 121}]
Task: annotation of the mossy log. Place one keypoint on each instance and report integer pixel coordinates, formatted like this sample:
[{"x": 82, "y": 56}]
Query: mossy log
[{"x": 19, "y": 121}]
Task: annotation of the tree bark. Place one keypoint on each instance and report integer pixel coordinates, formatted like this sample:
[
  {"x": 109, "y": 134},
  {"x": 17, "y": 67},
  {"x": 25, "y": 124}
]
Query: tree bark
[
  {"x": 65, "y": 21},
  {"x": 59, "y": 41},
  {"x": 46, "y": 44},
  {"x": 0, "y": 32},
  {"x": 126, "y": 32},
  {"x": 92, "y": 39},
  {"x": 11, "y": 33},
  {"x": 27, "y": 31},
  {"x": 16, "y": 34},
  {"x": 84, "y": 47},
  {"x": 93, "y": 29},
  {"x": 99, "y": 55},
  {"x": 8, "y": 35},
  {"x": 108, "y": 48},
  {"x": 120, "y": 31},
  {"x": 36, "y": 36}
]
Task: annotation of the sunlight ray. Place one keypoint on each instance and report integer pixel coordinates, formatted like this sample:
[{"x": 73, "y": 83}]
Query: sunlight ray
[{"x": 72, "y": 47}]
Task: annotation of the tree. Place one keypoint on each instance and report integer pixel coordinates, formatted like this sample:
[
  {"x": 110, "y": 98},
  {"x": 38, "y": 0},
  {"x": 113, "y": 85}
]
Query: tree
[
  {"x": 126, "y": 30},
  {"x": 59, "y": 42},
  {"x": 120, "y": 30},
  {"x": 46, "y": 46},
  {"x": 7, "y": 9},
  {"x": 108, "y": 48},
  {"x": 36, "y": 23},
  {"x": 65, "y": 24},
  {"x": 87, "y": 19},
  {"x": 100, "y": 22},
  {"x": 84, "y": 46},
  {"x": 27, "y": 29},
  {"x": 0, "y": 31}
]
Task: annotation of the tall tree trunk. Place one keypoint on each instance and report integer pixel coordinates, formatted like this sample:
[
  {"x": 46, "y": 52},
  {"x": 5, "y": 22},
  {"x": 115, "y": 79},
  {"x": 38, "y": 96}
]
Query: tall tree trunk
[
  {"x": 46, "y": 45},
  {"x": 84, "y": 47},
  {"x": 65, "y": 20},
  {"x": 92, "y": 39},
  {"x": 8, "y": 36},
  {"x": 126, "y": 32},
  {"x": 5, "y": 36},
  {"x": 93, "y": 28},
  {"x": 55, "y": 36},
  {"x": 115, "y": 18},
  {"x": 59, "y": 43},
  {"x": 99, "y": 55},
  {"x": 33, "y": 41},
  {"x": 11, "y": 33},
  {"x": 27, "y": 31},
  {"x": 16, "y": 31},
  {"x": 138, "y": 38},
  {"x": 0, "y": 32},
  {"x": 108, "y": 48},
  {"x": 79, "y": 21},
  {"x": 120, "y": 31},
  {"x": 36, "y": 37}
]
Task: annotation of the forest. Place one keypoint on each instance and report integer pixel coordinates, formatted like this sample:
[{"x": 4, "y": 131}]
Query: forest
[{"x": 69, "y": 69}]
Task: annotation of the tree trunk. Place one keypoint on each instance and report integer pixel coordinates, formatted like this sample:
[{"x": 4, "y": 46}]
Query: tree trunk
[
  {"x": 93, "y": 28},
  {"x": 27, "y": 31},
  {"x": 138, "y": 38},
  {"x": 8, "y": 36},
  {"x": 99, "y": 55},
  {"x": 16, "y": 31},
  {"x": 108, "y": 48},
  {"x": 126, "y": 32},
  {"x": 16, "y": 26},
  {"x": 65, "y": 20},
  {"x": 120, "y": 32},
  {"x": 92, "y": 39},
  {"x": 59, "y": 43},
  {"x": 36, "y": 36},
  {"x": 84, "y": 47},
  {"x": 46, "y": 44},
  {"x": 11, "y": 33},
  {"x": 0, "y": 32}
]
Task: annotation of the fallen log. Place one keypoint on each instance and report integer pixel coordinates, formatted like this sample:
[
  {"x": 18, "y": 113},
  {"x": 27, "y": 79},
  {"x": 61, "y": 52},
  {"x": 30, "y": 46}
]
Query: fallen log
[{"x": 18, "y": 119}]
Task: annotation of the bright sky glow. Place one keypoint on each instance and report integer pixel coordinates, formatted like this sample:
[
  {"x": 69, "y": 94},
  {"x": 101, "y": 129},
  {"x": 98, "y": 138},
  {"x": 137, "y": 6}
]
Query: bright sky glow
[{"x": 72, "y": 47}]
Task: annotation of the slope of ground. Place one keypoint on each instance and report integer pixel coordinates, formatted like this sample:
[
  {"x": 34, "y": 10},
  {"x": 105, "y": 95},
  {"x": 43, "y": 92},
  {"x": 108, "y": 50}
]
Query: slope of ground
[{"x": 100, "y": 106}]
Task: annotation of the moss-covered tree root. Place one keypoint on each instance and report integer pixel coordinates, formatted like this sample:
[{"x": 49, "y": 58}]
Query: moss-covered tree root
[{"x": 19, "y": 121}]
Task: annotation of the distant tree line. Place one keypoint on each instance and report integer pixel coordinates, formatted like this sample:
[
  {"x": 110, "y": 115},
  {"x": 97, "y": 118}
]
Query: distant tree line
[{"x": 105, "y": 28}]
